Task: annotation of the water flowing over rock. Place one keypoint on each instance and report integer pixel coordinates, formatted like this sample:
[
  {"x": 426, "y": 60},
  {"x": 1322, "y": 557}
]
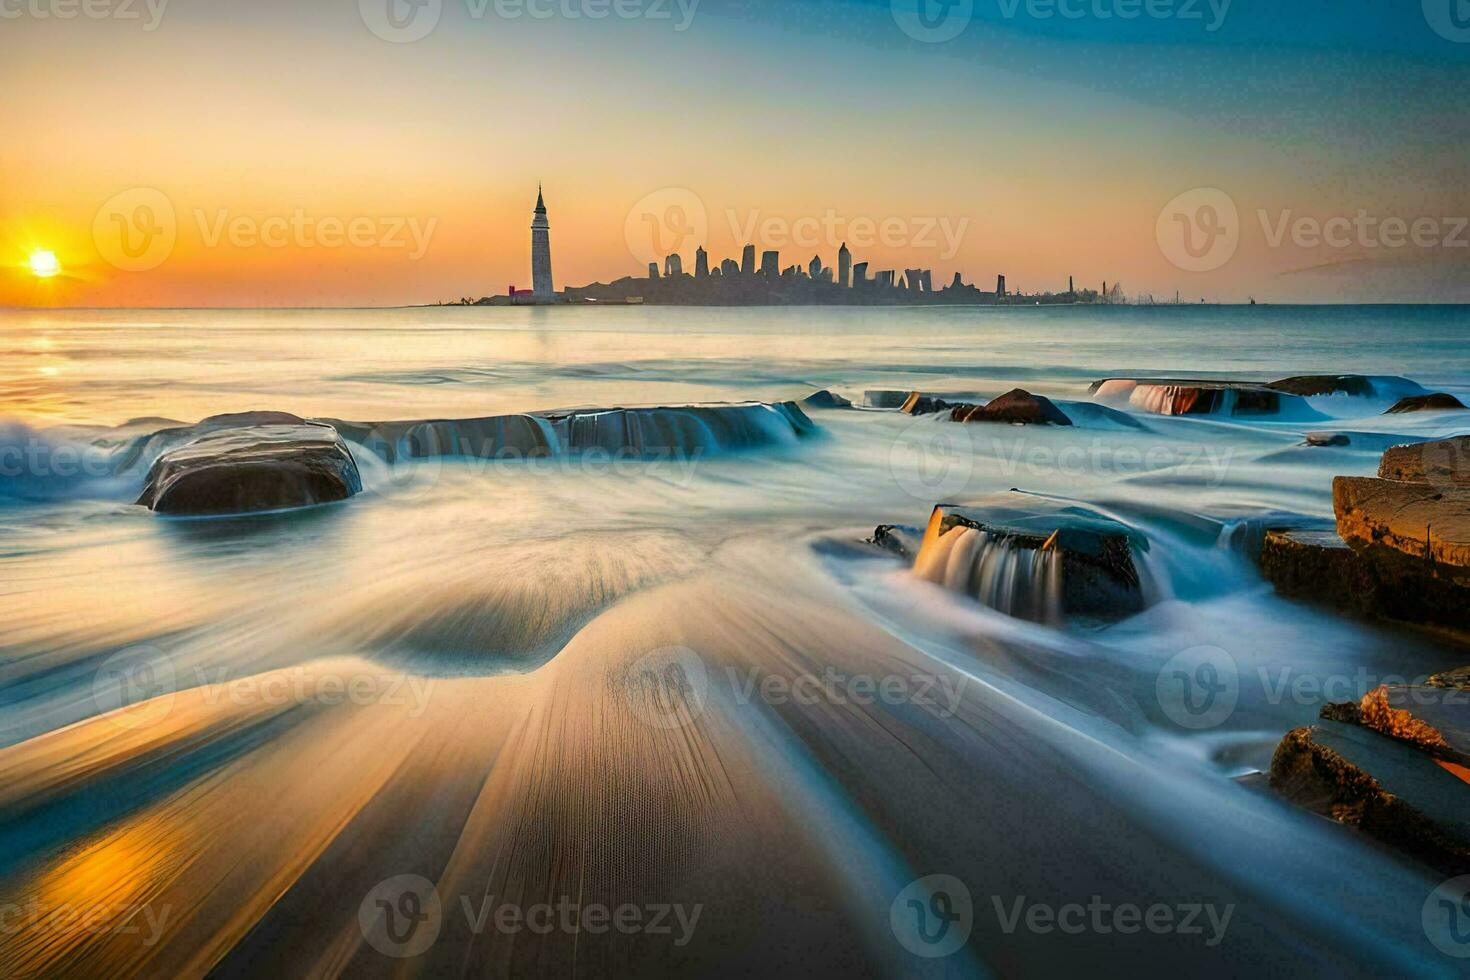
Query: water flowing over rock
[
  {"x": 1348, "y": 385},
  {"x": 1015, "y": 407},
  {"x": 1437, "y": 402},
  {"x": 919, "y": 403},
  {"x": 238, "y": 469},
  {"x": 1033, "y": 557},
  {"x": 687, "y": 431},
  {"x": 1163, "y": 396},
  {"x": 826, "y": 399}
]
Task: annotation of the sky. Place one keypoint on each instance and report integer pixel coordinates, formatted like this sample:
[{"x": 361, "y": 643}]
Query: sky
[{"x": 184, "y": 153}]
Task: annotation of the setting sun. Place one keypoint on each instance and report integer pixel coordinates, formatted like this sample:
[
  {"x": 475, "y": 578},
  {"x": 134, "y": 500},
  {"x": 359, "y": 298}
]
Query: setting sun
[{"x": 44, "y": 264}]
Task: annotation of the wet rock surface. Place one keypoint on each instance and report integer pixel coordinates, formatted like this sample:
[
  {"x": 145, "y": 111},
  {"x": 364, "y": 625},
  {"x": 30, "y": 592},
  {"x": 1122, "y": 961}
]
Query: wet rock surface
[
  {"x": 1356, "y": 385},
  {"x": 1034, "y": 557},
  {"x": 1443, "y": 461},
  {"x": 1394, "y": 519},
  {"x": 1172, "y": 396},
  {"x": 919, "y": 403},
  {"x": 240, "y": 469},
  {"x": 1437, "y": 402},
  {"x": 1015, "y": 407},
  {"x": 826, "y": 399}
]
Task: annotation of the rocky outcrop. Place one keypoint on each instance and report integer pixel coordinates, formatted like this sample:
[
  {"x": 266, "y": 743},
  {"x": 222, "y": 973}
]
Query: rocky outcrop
[
  {"x": 1320, "y": 439},
  {"x": 1308, "y": 385},
  {"x": 898, "y": 539},
  {"x": 1402, "y": 546},
  {"x": 1426, "y": 524},
  {"x": 825, "y": 399},
  {"x": 1169, "y": 396},
  {"x": 1387, "y": 787},
  {"x": 919, "y": 403},
  {"x": 885, "y": 398},
  {"x": 245, "y": 468},
  {"x": 1437, "y": 402},
  {"x": 1015, "y": 407},
  {"x": 1034, "y": 557}
]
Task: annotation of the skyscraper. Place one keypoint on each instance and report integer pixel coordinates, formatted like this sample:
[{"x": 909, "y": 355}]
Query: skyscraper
[
  {"x": 771, "y": 264},
  {"x": 747, "y": 261},
  {"x": 844, "y": 266},
  {"x": 541, "y": 282},
  {"x": 701, "y": 263}
]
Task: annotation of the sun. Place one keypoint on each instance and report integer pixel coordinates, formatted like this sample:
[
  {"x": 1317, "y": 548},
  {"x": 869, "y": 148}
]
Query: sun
[{"x": 43, "y": 264}]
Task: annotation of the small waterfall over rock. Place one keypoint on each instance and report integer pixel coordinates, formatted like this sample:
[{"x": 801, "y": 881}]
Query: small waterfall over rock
[{"x": 1000, "y": 570}]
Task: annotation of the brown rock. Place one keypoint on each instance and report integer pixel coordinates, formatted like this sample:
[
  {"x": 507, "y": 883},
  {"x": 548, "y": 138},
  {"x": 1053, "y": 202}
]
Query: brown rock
[
  {"x": 922, "y": 404},
  {"x": 1445, "y": 461},
  {"x": 1437, "y": 402},
  {"x": 1325, "y": 384},
  {"x": 1016, "y": 406},
  {"x": 1435, "y": 717},
  {"x": 1419, "y": 520}
]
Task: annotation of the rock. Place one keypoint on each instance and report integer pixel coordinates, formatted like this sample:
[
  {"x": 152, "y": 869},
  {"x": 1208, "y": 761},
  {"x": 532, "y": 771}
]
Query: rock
[
  {"x": 1387, "y": 788},
  {"x": 922, "y": 404},
  {"x": 1328, "y": 384},
  {"x": 885, "y": 398},
  {"x": 825, "y": 399},
  {"x": 1426, "y": 524},
  {"x": 1443, "y": 462},
  {"x": 1167, "y": 396},
  {"x": 1437, "y": 402},
  {"x": 1433, "y": 716},
  {"x": 1328, "y": 439},
  {"x": 1034, "y": 557},
  {"x": 1017, "y": 407},
  {"x": 898, "y": 539},
  {"x": 242, "y": 469},
  {"x": 1318, "y": 566}
]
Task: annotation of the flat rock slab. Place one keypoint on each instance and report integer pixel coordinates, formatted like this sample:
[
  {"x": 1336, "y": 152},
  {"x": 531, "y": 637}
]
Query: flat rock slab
[
  {"x": 1309, "y": 385},
  {"x": 1386, "y": 787},
  {"x": 1175, "y": 396},
  {"x": 251, "y": 468},
  {"x": 1436, "y": 402},
  {"x": 1034, "y": 557},
  {"x": 1015, "y": 407},
  {"x": 1418, "y": 520},
  {"x": 1444, "y": 461}
]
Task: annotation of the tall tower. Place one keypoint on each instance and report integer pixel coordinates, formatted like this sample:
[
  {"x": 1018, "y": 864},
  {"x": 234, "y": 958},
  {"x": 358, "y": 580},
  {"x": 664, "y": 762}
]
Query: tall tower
[
  {"x": 844, "y": 266},
  {"x": 541, "y": 283}
]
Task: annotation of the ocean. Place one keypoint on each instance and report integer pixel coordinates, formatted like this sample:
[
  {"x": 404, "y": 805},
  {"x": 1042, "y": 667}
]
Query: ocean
[{"x": 682, "y": 679}]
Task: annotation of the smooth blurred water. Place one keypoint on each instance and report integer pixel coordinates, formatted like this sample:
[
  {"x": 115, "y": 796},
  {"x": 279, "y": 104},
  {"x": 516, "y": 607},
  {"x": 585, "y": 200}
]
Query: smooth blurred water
[{"x": 520, "y": 594}]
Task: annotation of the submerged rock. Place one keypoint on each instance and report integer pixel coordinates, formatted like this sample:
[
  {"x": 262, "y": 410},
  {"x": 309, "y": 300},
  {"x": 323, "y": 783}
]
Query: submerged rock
[
  {"x": 1033, "y": 557},
  {"x": 898, "y": 539},
  {"x": 826, "y": 399},
  {"x": 1016, "y": 407},
  {"x": 685, "y": 431},
  {"x": 1437, "y": 402},
  {"x": 1356, "y": 385},
  {"x": 885, "y": 398},
  {"x": 1389, "y": 789},
  {"x": 253, "y": 467},
  {"x": 1327, "y": 439}
]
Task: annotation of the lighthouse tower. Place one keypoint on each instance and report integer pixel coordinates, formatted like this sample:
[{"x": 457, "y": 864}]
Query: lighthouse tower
[{"x": 541, "y": 283}]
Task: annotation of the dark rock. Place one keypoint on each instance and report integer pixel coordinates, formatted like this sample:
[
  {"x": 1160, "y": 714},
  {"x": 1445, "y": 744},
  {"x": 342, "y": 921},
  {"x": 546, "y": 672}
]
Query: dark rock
[
  {"x": 242, "y": 469},
  {"x": 1326, "y": 384},
  {"x": 885, "y": 398},
  {"x": 1433, "y": 716},
  {"x": 1443, "y": 462},
  {"x": 825, "y": 399},
  {"x": 1387, "y": 788},
  {"x": 1017, "y": 407},
  {"x": 898, "y": 539},
  {"x": 921, "y": 404},
  {"x": 1328, "y": 439},
  {"x": 1437, "y": 402},
  {"x": 1034, "y": 557}
]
